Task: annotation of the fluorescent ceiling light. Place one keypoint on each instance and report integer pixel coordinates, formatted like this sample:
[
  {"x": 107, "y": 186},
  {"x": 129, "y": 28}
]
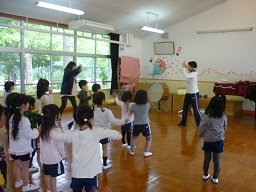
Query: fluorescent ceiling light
[
  {"x": 225, "y": 30},
  {"x": 59, "y": 8},
  {"x": 145, "y": 28},
  {"x": 78, "y": 24}
]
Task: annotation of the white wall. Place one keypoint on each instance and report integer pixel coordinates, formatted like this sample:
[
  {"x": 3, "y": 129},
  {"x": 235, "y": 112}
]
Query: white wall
[{"x": 135, "y": 50}]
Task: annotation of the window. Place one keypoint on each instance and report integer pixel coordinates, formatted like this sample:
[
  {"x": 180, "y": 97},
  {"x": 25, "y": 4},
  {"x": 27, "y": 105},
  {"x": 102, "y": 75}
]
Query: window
[{"x": 46, "y": 52}]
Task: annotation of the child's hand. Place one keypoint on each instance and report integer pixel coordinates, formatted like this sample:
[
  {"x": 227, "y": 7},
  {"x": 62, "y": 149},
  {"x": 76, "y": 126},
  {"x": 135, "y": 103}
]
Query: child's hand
[
  {"x": 50, "y": 91},
  {"x": 64, "y": 159},
  {"x": 39, "y": 128},
  {"x": 114, "y": 94},
  {"x": 184, "y": 65}
]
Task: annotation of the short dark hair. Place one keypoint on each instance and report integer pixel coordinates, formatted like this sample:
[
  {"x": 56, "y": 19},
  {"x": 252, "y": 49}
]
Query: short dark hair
[
  {"x": 31, "y": 100},
  {"x": 8, "y": 85},
  {"x": 82, "y": 83},
  {"x": 41, "y": 88},
  {"x": 96, "y": 87},
  {"x": 70, "y": 65},
  {"x": 127, "y": 96},
  {"x": 216, "y": 106},
  {"x": 141, "y": 97},
  {"x": 192, "y": 64}
]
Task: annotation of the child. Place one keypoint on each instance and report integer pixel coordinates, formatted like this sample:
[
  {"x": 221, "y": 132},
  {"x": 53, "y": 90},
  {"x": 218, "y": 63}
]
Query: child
[
  {"x": 52, "y": 152},
  {"x": 125, "y": 106},
  {"x": 86, "y": 163},
  {"x": 212, "y": 129},
  {"x": 192, "y": 93},
  {"x": 20, "y": 135},
  {"x": 96, "y": 87},
  {"x": 102, "y": 118},
  {"x": 3, "y": 165},
  {"x": 8, "y": 87},
  {"x": 82, "y": 95},
  {"x": 34, "y": 119},
  {"x": 141, "y": 121},
  {"x": 42, "y": 98}
]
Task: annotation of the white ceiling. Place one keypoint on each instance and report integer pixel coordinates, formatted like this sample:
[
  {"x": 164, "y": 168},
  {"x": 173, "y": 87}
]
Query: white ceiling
[{"x": 127, "y": 16}]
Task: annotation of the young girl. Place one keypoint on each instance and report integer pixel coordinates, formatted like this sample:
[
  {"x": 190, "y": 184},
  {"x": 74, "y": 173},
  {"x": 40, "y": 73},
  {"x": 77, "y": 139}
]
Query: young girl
[
  {"x": 212, "y": 129},
  {"x": 34, "y": 119},
  {"x": 104, "y": 117},
  {"x": 20, "y": 135},
  {"x": 86, "y": 163},
  {"x": 52, "y": 152},
  {"x": 8, "y": 87},
  {"x": 141, "y": 121},
  {"x": 42, "y": 98},
  {"x": 192, "y": 93},
  {"x": 3, "y": 165},
  {"x": 125, "y": 105}
]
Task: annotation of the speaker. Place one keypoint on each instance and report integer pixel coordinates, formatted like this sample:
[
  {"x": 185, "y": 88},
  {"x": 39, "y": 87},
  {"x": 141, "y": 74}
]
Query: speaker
[{"x": 165, "y": 35}]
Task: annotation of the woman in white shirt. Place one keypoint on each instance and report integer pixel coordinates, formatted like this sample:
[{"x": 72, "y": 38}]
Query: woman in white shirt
[{"x": 192, "y": 93}]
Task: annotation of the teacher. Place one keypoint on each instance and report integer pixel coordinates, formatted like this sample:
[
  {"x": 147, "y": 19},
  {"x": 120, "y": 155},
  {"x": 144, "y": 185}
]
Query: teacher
[{"x": 68, "y": 86}]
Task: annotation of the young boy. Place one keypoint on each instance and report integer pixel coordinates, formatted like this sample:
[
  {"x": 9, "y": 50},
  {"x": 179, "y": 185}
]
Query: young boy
[
  {"x": 82, "y": 95},
  {"x": 8, "y": 87}
]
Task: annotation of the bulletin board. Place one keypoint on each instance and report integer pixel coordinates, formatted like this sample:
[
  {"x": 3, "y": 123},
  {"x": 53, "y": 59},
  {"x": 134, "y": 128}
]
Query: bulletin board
[{"x": 164, "y": 48}]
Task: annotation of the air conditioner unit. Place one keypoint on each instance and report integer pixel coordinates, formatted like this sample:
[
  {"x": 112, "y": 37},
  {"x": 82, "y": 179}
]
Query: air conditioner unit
[{"x": 85, "y": 24}]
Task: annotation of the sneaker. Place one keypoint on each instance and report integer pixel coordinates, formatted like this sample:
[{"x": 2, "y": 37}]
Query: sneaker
[
  {"x": 30, "y": 187},
  {"x": 59, "y": 121},
  {"x": 216, "y": 181},
  {"x": 124, "y": 144},
  {"x": 206, "y": 177},
  {"x": 10, "y": 158},
  {"x": 106, "y": 167},
  {"x": 181, "y": 124},
  {"x": 131, "y": 153},
  {"x": 18, "y": 183},
  {"x": 147, "y": 154},
  {"x": 128, "y": 147},
  {"x": 33, "y": 169}
]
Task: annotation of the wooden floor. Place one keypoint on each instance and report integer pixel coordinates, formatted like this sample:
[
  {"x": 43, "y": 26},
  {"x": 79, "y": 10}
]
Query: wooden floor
[{"x": 176, "y": 164}]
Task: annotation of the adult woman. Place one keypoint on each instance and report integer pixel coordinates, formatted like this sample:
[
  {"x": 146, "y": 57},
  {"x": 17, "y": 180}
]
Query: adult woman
[{"x": 68, "y": 86}]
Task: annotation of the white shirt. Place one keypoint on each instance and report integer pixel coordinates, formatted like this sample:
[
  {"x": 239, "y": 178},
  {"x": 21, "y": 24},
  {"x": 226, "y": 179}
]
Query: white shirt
[
  {"x": 191, "y": 79},
  {"x": 86, "y": 157},
  {"x": 52, "y": 151},
  {"x": 106, "y": 118},
  {"x": 125, "y": 110},
  {"x": 46, "y": 99},
  {"x": 22, "y": 145}
]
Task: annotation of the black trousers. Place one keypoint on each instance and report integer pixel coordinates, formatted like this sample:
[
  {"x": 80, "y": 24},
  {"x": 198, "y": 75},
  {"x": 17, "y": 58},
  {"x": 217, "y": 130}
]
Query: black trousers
[{"x": 64, "y": 100}]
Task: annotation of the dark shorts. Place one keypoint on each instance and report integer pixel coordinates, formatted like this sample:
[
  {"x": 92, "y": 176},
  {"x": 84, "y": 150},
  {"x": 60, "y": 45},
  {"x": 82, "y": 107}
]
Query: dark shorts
[
  {"x": 25, "y": 157},
  {"x": 144, "y": 129},
  {"x": 215, "y": 147},
  {"x": 104, "y": 141},
  {"x": 54, "y": 170},
  {"x": 91, "y": 184},
  {"x": 126, "y": 127}
]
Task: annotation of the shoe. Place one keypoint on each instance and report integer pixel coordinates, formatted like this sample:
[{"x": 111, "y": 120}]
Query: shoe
[
  {"x": 147, "y": 154},
  {"x": 57, "y": 189},
  {"x": 59, "y": 121},
  {"x": 10, "y": 158},
  {"x": 206, "y": 177},
  {"x": 128, "y": 147},
  {"x": 33, "y": 169},
  {"x": 18, "y": 183},
  {"x": 216, "y": 181},
  {"x": 106, "y": 167},
  {"x": 181, "y": 124},
  {"x": 124, "y": 144},
  {"x": 30, "y": 187},
  {"x": 131, "y": 153}
]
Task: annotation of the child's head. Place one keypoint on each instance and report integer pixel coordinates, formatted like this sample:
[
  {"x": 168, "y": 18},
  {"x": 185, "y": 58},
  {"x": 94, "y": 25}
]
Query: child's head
[
  {"x": 141, "y": 97},
  {"x": 216, "y": 106},
  {"x": 83, "y": 84},
  {"x": 31, "y": 101},
  {"x": 127, "y": 96},
  {"x": 192, "y": 65},
  {"x": 42, "y": 87},
  {"x": 18, "y": 106},
  {"x": 2, "y": 116},
  {"x": 9, "y": 86},
  {"x": 71, "y": 65},
  {"x": 83, "y": 115},
  {"x": 96, "y": 87},
  {"x": 50, "y": 114},
  {"x": 99, "y": 98}
]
